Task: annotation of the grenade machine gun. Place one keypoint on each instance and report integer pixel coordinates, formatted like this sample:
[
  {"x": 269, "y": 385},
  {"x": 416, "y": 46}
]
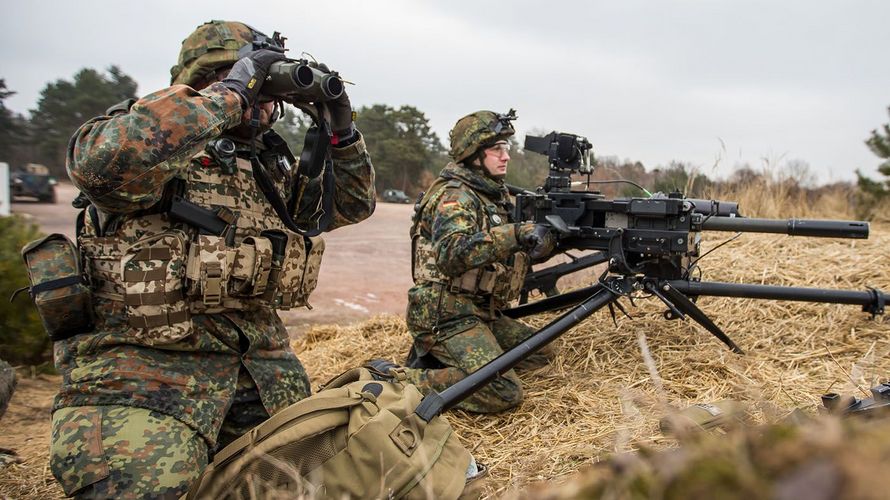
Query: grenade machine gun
[{"x": 651, "y": 247}]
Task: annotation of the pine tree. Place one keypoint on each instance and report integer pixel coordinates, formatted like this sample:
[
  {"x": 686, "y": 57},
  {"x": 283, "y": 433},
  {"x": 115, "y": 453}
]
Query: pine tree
[
  {"x": 64, "y": 106},
  {"x": 875, "y": 192}
]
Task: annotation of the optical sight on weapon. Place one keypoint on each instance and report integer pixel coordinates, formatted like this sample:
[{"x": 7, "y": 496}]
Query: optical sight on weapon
[{"x": 567, "y": 152}]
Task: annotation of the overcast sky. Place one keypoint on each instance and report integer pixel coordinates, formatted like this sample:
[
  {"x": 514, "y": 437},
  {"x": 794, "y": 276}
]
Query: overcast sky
[{"x": 708, "y": 82}]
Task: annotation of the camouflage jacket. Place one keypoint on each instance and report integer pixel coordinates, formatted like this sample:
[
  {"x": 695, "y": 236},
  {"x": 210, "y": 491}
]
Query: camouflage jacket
[
  {"x": 124, "y": 164},
  {"x": 467, "y": 224}
]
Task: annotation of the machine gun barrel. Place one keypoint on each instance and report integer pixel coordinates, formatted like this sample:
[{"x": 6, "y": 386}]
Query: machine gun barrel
[
  {"x": 871, "y": 300},
  {"x": 791, "y": 227}
]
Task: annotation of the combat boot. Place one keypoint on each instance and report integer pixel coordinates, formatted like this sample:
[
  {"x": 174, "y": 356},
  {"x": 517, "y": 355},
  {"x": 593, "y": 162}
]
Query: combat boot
[{"x": 425, "y": 362}]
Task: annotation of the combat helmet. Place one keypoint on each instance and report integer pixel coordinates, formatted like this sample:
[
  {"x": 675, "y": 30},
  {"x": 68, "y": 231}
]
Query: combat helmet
[
  {"x": 213, "y": 45},
  {"x": 482, "y": 128}
]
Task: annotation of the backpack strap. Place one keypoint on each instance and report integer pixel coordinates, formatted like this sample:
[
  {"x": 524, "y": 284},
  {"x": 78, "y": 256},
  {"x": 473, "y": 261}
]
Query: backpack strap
[{"x": 289, "y": 414}]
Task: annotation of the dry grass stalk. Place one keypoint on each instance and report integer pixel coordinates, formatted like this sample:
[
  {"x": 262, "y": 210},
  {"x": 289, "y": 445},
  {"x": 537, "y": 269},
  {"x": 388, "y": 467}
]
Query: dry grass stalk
[{"x": 598, "y": 396}]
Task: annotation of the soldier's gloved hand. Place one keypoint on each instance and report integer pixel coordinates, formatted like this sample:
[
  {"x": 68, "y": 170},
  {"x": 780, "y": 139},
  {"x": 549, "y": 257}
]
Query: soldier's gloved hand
[
  {"x": 537, "y": 239},
  {"x": 248, "y": 74},
  {"x": 341, "y": 117}
]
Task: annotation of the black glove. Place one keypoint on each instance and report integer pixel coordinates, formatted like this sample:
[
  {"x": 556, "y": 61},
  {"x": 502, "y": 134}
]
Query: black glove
[
  {"x": 248, "y": 74},
  {"x": 341, "y": 116},
  {"x": 537, "y": 239}
]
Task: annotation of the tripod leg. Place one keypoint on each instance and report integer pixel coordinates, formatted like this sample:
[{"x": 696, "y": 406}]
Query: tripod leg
[
  {"x": 673, "y": 311},
  {"x": 435, "y": 403},
  {"x": 682, "y": 303}
]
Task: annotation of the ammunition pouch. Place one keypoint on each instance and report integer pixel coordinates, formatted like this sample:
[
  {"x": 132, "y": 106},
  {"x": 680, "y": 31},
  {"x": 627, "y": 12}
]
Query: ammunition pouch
[
  {"x": 207, "y": 270},
  {"x": 152, "y": 273},
  {"x": 163, "y": 279},
  {"x": 251, "y": 267},
  {"x": 278, "y": 269},
  {"x": 58, "y": 287},
  {"x": 296, "y": 261},
  {"x": 502, "y": 282}
]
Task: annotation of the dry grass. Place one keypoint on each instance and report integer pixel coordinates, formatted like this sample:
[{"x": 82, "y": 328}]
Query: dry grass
[
  {"x": 598, "y": 396},
  {"x": 25, "y": 429}
]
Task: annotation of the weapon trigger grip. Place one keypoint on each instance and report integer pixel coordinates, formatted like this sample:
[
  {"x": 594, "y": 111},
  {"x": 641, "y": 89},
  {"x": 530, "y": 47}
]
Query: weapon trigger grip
[{"x": 558, "y": 224}]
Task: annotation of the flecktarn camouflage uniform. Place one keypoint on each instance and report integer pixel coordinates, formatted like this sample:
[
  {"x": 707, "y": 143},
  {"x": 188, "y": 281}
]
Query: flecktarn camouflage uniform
[
  {"x": 468, "y": 264},
  {"x": 187, "y": 351}
]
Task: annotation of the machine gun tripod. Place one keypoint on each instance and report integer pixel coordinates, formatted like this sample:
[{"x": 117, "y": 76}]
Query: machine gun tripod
[{"x": 674, "y": 293}]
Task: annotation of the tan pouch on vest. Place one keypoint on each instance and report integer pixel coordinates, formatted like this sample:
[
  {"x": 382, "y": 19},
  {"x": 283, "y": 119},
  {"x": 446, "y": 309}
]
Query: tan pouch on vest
[
  {"x": 152, "y": 273},
  {"x": 209, "y": 266},
  {"x": 251, "y": 267},
  {"x": 58, "y": 288},
  {"x": 507, "y": 288},
  {"x": 295, "y": 265},
  {"x": 356, "y": 438}
]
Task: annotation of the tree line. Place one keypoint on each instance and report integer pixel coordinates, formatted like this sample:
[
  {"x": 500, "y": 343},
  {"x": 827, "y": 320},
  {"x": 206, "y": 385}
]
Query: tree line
[{"x": 406, "y": 152}]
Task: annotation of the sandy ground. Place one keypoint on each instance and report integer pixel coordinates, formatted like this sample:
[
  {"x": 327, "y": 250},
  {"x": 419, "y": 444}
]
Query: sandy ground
[{"x": 366, "y": 268}]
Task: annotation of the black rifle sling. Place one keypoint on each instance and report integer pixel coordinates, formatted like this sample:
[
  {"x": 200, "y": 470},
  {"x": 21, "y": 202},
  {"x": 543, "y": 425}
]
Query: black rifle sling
[
  {"x": 318, "y": 160},
  {"x": 271, "y": 193}
]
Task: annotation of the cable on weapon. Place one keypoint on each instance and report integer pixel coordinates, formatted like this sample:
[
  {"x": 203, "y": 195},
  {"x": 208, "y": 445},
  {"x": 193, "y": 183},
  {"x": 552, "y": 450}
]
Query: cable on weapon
[
  {"x": 702, "y": 256},
  {"x": 617, "y": 181}
]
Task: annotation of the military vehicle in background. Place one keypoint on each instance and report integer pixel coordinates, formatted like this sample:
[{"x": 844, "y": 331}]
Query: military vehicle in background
[
  {"x": 33, "y": 181},
  {"x": 395, "y": 196}
]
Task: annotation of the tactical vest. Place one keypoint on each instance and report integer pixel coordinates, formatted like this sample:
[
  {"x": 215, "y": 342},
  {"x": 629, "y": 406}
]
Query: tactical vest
[
  {"x": 502, "y": 281},
  {"x": 165, "y": 270}
]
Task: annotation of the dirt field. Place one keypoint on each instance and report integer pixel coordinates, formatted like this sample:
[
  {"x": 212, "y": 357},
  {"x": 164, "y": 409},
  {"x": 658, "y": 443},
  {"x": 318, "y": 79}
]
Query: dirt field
[{"x": 366, "y": 267}]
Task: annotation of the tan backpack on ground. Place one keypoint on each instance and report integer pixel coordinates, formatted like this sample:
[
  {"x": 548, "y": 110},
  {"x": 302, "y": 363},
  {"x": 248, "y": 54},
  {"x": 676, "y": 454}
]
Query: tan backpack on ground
[{"x": 356, "y": 438}]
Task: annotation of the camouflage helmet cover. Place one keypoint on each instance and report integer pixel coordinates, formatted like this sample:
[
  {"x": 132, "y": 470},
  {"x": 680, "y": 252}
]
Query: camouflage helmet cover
[
  {"x": 211, "y": 46},
  {"x": 479, "y": 129}
]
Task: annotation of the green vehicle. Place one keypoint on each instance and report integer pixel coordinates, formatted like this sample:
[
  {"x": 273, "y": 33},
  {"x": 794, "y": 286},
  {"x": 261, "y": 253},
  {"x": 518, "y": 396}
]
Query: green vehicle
[
  {"x": 395, "y": 196},
  {"x": 33, "y": 181}
]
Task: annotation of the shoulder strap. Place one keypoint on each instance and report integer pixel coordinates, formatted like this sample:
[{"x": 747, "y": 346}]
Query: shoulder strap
[
  {"x": 432, "y": 195},
  {"x": 268, "y": 188},
  {"x": 321, "y": 155}
]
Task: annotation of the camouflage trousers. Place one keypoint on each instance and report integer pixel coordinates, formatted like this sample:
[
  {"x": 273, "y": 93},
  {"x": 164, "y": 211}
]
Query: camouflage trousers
[
  {"x": 128, "y": 452},
  {"x": 465, "y": 347}
]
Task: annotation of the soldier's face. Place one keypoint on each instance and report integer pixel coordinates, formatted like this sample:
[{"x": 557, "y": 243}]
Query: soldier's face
[{"x": 495, "y": 160}]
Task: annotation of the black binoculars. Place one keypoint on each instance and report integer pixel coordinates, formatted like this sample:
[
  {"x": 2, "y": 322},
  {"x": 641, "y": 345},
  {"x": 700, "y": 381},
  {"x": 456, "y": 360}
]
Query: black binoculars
[{"x": 302, "y": 81}]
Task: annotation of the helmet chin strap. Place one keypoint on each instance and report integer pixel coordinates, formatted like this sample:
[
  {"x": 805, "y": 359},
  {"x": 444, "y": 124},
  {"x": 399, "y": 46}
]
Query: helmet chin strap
[{"x": 277, "y": 112}]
